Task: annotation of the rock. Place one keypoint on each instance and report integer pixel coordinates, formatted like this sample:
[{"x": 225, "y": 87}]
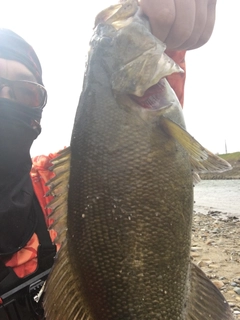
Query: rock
[
  {"x": 209, "y": 242},
  {"x": 195, "y": 255},
  {"x": 233, "y": 284},
  {"x": 204, "y": 263},
  {"x": 219, "y": 284},
  {"x": 231, "y": 304},
  {"x": 237, "y": 290},
  {"x": 213, "y": 266},
  {"x": 195, "y": 248},
  {"x": 236, "y": 312}
]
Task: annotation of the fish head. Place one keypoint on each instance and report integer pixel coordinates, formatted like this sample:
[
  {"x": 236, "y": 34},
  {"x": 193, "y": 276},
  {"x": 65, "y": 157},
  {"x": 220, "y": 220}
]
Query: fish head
[{"x": 137, "y": 67}]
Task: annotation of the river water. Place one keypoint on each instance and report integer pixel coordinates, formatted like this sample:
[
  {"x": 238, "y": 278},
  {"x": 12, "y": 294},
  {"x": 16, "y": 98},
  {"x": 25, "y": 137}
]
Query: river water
[{"x": 218, "y": 196}]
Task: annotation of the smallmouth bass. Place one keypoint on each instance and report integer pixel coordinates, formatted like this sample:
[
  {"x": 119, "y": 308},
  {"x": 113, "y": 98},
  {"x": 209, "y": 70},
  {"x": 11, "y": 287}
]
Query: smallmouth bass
[{"x": 127, "y": 214}]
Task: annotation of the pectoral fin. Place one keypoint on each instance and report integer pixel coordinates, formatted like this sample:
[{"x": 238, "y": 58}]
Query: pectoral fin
[
  {"x": 201, "y": 159},
  {"x": 205, "y": 300}
]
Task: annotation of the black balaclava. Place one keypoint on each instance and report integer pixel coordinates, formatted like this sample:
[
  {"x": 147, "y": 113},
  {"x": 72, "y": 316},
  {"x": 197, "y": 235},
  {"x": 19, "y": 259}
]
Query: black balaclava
[{"x": 19, "y": 126}]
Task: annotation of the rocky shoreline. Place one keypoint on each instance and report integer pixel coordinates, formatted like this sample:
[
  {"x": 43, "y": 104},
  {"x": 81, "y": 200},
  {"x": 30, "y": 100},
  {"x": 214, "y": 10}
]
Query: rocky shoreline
[
  {"x": 216, "y": 249},
  {"x": 219, "y": 176}
]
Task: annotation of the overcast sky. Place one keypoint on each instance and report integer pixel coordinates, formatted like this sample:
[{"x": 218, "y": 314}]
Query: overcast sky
[{"x": 60, "y": 31}]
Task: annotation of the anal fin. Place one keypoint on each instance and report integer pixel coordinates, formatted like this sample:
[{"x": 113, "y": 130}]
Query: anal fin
[
  {"x": 63, "y": 299},
  {"x": 205, "y": 300}
]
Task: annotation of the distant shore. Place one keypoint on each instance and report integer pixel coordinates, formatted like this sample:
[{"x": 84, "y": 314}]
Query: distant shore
[{"x": 234, "y": 160}]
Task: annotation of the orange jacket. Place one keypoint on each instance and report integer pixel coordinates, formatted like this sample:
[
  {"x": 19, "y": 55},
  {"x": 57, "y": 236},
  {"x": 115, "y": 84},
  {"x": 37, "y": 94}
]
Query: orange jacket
[{"x": 24, "y": 261}]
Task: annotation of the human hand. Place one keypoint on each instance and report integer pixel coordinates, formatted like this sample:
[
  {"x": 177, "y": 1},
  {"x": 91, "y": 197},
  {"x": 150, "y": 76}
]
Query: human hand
[{"x": 180, "y": 24}]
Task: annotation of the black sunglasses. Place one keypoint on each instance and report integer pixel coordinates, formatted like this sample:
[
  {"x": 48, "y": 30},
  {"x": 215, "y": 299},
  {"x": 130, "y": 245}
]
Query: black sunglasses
[{"x": 29, "y": 93}]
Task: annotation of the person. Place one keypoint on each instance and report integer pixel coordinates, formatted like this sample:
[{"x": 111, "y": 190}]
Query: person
[
  {"x": 26, "y": 246},
  {"x": 182, "y": 24}
]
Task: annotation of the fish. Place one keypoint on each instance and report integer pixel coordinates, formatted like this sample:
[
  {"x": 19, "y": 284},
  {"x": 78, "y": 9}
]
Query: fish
[{"x": 123, "y": 190}]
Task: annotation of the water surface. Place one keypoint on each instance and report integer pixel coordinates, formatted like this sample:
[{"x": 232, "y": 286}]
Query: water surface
[{"x": 218, "y": 195}]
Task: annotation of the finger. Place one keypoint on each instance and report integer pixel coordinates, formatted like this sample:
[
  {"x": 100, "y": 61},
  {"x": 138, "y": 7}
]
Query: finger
[
  {"x": 161, "y": 16},
  {"x": 199, "y": 25},
  {"x": 183, "y": 24},
  {"x": 208, "y": 29}
]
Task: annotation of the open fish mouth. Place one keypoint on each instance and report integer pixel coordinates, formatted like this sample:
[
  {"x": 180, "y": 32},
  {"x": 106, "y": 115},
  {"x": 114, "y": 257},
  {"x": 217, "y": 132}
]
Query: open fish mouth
[{"x": 154, "y": 97}]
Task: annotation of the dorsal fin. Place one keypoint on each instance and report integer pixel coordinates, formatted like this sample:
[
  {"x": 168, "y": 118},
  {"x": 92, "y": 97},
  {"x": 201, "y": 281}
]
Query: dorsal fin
[{"x": 59, "y": 189}]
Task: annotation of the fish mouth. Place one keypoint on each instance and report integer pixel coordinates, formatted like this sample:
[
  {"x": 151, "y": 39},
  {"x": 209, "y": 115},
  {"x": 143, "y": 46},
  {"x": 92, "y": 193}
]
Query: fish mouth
[{"x": 154, "y": 98}]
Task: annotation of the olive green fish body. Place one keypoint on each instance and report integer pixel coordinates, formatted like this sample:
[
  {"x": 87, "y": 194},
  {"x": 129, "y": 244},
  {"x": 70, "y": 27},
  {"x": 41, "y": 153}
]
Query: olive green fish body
[{"x": 130, "y": 211}]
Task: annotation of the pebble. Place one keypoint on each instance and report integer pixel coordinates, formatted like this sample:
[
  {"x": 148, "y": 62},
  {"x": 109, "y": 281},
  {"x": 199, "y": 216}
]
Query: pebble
[
  {"x": 204, "y": 263},
  {"x": 233, "y": 284},
  {"x": 195, "y": 255},
  {"x": 209, "y": 242},
  {"x": 213, "y": 266},
  {"x": 237, "y": 290},
  {"x": 195, "y": 248},
  {"x": 225, "y": 281},
  {"x": 231, "y": 304},
  {"x": 218, "y": 284}
]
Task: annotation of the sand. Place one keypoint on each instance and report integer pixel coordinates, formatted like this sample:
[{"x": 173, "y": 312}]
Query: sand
[{"x": 216, "y": 249}]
